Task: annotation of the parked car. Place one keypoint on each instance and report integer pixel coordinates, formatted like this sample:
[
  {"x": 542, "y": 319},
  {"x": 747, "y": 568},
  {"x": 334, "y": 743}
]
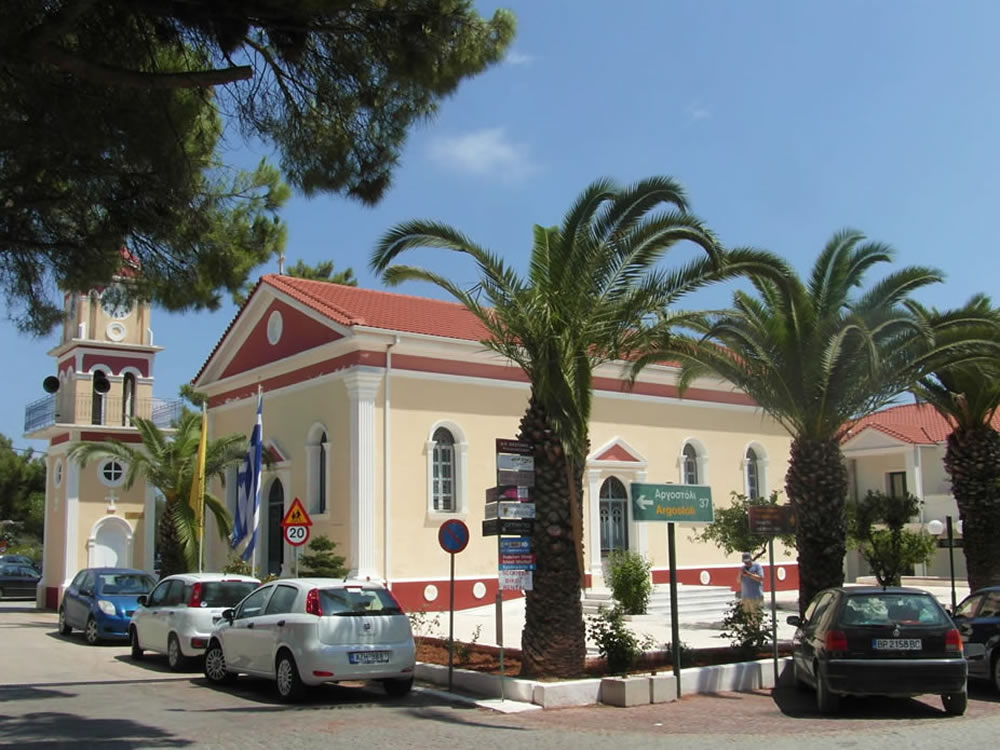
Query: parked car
[
  {"x": 879, "y": 641},
  {"x": 177, "y": 616},
  {"x": 19, "y": 560},
  {"x": 977, "y": 618},
  {"x": 18, "y": 579},
  {"x": 101, "y": 601},
  {"x": 308, "y": 631}
]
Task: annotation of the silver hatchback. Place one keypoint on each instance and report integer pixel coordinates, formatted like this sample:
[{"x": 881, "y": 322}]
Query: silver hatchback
[{"x": 308, "y": 631}]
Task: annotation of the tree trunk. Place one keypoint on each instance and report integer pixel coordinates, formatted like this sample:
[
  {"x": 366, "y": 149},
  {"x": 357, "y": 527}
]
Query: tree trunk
[
  {"x": 972, "y": 460},
  {"x": 817, "y": 488},
  {"x": 553, "y": 642},
  {"x": 168, "y": 543}
]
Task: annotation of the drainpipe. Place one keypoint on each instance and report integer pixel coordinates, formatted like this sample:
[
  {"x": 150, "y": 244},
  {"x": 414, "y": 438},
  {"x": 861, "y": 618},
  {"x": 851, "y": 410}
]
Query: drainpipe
[{"x": 386, "y": 463}]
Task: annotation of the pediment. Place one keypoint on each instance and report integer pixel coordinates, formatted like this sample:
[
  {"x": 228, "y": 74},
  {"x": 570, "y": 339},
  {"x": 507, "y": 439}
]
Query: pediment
[
  {"x": 871, "y": 438},
  {"x": 616, "y": 450}
]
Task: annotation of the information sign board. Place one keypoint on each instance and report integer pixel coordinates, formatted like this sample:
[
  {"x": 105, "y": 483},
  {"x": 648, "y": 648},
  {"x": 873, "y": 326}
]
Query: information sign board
[
  {"x": 511, "y": 545},
  {"x": 510, "y": 510},
  {"x": 518, "y": 447},
  {"x": 508, "y": 527},
  {"x": 771, "y": 519},
  {"x": 672, "y": 502},
  {"x": 515, "y": 580},
  {"x": 509, "y": 492}
]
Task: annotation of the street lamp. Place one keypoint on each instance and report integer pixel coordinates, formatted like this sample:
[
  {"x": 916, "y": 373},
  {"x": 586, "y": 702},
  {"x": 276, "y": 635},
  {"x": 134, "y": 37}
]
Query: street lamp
[{"x": 935, "y": 527}]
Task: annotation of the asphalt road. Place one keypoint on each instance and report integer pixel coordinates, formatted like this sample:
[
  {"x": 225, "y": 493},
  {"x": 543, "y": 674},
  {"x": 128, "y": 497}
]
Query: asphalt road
[{"x": 57, "y": 692}]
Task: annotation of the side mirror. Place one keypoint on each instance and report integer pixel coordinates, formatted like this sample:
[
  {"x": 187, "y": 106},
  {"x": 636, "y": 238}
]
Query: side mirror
[
  {"x": 228, "y": 615},
  {"x": 141, "y": 600},
  {"x": 794, "y": 620}
]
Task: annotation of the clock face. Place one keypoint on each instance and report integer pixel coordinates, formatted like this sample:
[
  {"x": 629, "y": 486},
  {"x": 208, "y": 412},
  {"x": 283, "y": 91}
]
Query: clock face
[{"x": 114, "y": 303}]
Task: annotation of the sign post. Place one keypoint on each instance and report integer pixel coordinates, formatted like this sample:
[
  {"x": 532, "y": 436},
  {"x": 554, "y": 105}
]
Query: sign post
[
  {"x": 296, "y": 525},
  {"x": 453, "y": 536},
  {"x": 672, "y": 503},
  {"x": 771, "y": 520}
]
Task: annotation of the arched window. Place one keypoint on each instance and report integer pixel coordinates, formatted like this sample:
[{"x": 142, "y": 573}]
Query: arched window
[
  {"x": 128, "y": 399},
  {"x": 321, "y": 490},
  {"x": 753, "y": 474},
  {"x": 100, "y": 387},
  {"x": 690, "y": 457},
  {"x": 614, "y": 516},
  {"x": 443, "y": 476},
  {"x": 275, "y": 535},
  {"x": 317, "y": 457}
]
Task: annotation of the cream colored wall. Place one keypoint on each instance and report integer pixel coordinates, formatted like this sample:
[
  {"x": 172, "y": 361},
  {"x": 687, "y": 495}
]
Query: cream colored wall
[
  {"x": 872, "y": 471},
  {"x": 93, "y": 506},
  {"x": 55, "y": 521},
  {"x": 936, "y": 479}
]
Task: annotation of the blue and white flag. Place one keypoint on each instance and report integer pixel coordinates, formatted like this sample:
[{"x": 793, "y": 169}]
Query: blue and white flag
[{"x": 247, "y": 518}]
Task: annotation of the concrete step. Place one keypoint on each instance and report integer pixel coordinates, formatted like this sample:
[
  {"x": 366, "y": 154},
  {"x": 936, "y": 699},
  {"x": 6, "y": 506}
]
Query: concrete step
[{"x": 694, "y": 603}]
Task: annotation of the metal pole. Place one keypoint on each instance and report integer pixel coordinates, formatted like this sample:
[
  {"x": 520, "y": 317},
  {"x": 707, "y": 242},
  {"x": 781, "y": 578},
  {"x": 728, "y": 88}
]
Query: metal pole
[
  {"x": 951, "y": 561},
  {"x": 500, "y": 613},
  {"x": 675, "y": 629},
  {"x": 774, "y": 608},
  {"x": 451, "y": 624}
]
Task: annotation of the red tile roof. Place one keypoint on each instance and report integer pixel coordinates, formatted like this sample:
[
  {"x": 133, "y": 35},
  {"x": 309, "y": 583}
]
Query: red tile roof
[{"x": 910, "y": 423}]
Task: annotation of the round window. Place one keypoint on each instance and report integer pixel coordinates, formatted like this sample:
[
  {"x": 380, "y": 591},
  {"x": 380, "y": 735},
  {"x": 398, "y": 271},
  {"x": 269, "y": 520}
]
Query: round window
[
  {"x": 112, "y": 473},
  {"x": 274, "y": 326}
]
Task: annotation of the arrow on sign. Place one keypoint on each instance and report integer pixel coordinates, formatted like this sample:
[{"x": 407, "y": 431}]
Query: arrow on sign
[{"x": 643, "y": 502}]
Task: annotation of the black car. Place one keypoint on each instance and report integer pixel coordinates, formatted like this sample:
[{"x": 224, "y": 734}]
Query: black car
[
  {"x": 17, "y": 579},
  {"x": 862, "y": 640},
  {"x": 978, "y": 620}
]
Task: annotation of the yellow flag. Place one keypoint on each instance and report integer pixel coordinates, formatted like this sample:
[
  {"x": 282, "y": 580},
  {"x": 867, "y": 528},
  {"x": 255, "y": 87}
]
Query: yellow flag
[{"x": 198, "y": 481}]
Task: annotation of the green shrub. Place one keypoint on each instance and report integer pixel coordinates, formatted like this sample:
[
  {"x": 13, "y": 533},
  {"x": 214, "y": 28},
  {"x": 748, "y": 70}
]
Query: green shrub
[
  {"x": 237, "y": 565},
  {"x": 748, "y": 632},
  {"x": 615, "y": 642},
  {"x": 628, "y": 577},
  {"x": 322, "y": 563}
]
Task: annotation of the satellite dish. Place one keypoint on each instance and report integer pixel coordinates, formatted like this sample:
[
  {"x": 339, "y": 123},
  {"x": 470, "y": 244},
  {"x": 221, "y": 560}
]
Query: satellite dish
[
  {"x": 50, "y": 384},
  {"x": 101, "y": 382}
]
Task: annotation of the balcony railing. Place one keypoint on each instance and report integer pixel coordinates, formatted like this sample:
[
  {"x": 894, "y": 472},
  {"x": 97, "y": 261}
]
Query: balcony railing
[{"x": 111, "y": 411}]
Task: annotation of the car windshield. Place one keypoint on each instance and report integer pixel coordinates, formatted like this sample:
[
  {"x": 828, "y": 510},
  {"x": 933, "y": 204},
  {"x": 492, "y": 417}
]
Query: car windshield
[
  {"x": 358, "y": 601},
  {"x": 886, "y": 607},
  {"x": 225, "y": 593},
  {"x": 124, "y": 583}
]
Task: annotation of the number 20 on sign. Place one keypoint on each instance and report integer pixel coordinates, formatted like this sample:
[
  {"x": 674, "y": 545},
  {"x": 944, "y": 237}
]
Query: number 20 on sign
[{"x": 296, "y": 535}]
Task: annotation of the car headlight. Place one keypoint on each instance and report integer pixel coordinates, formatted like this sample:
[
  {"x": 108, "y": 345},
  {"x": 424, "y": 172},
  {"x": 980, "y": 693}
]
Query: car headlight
[{"x": 105, "y": 606}]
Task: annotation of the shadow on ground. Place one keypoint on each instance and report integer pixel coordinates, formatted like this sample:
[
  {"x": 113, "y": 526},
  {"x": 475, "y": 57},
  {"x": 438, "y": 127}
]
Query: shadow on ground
[{"x": 49, "y": 729}]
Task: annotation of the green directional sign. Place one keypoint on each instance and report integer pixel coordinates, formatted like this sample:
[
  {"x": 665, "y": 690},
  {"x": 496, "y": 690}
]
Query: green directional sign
[{"x": 672, "y": 502}]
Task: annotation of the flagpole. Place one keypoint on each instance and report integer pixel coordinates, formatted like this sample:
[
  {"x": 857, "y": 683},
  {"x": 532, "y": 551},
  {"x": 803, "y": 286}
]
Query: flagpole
[
  {"x": 256, "y": 515},
  {"x": 202, "y": 450}
]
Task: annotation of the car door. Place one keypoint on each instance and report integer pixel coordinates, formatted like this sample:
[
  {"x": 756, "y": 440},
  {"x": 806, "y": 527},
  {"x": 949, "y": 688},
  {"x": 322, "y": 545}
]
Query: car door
[
  {"x": 984, "y": 637},
  {"x": 24, "y": 581},
  {"x": 70, "y": 603},
  {"x": 975, "y": 651},
  {"x": 174, "y": 609},
  {"x": 78, "y": 607},
  {"x": 239, "y": 641},
  {"x": 272, "y": 627},
  {"x": 150, "y": 619},
  {"x": 809, "y": 638}
]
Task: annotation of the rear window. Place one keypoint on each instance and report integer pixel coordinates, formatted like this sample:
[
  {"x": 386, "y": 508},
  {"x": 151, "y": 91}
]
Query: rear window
[
  {"x": 225, "y": 593},
  {"x": 358, "y": 601},
  {"x": 124, "y": 583},
  {"x": 885, "y": 608}
]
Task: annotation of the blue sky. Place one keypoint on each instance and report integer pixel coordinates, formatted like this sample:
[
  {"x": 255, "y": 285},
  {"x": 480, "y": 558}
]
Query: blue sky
[{"x": 784, "y": 120}]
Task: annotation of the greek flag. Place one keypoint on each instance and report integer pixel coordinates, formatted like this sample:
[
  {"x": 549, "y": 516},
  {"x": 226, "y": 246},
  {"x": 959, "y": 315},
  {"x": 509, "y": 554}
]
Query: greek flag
[{"x": 248, "y": 490}]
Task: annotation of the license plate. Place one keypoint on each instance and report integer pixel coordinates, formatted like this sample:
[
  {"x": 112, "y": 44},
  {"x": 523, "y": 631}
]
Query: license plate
[
  {"x": 897, "y": 644},
  {"x": 368, "y": 657}
]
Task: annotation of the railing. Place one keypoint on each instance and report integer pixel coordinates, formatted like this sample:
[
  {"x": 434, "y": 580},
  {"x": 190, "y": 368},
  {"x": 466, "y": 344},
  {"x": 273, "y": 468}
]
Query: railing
[{"x": 112, "y": 411}]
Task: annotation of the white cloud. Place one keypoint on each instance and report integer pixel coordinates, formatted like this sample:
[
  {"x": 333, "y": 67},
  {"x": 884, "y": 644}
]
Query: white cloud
[
  {"x": 696, "y": 111},
  {"x": 486, "y": 152},
  {"x": 518, "y": 58}
]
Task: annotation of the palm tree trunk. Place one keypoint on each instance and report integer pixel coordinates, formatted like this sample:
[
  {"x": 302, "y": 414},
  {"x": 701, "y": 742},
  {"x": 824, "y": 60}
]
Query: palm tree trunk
[
  {"x": 972, "y": 460},
  {"x": 817, "y": 487},
  {"x": 168, "y": 543},
  {"x": 553, "y": 642}
]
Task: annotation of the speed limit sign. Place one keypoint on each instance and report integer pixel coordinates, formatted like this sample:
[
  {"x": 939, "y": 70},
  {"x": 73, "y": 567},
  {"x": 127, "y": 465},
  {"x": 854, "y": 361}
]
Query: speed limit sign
[{"x": 296, "y": 535}]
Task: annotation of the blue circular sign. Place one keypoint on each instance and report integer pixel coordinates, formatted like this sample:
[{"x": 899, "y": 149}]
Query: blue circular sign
[{"x": 453, "y": 536}]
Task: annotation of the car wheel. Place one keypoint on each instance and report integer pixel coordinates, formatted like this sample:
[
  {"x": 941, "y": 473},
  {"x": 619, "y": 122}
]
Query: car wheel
[
  {"x": 826, "y": 702},
  {"x": 133, "y": 637},
  {"x": 91, "y": 633},
  {"x": 398, "y": 688},
  {"x": 289, "y": 683},
  {"x": 175, "y": 657},
  {"x": 215, "y": 665},
  {"x": 64, "y": 628},
  {"x": 955, "y": 703}
]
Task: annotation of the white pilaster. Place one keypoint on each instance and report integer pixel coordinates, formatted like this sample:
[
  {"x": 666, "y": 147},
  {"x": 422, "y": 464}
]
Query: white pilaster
[
  {"x": 638, "y": 531},
  {"x": 71, "y": 528},
  {"x": 594, "y": 527},
  {"x": 362, "y": 385}
]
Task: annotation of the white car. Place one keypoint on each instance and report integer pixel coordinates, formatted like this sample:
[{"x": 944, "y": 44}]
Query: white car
[
  {"x": 308, "y": 631},
  {"x": 177, "y": 617}
]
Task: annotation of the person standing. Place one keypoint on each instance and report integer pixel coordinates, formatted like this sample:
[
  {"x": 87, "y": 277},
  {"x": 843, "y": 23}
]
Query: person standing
[{"x": 751, "y": 585}]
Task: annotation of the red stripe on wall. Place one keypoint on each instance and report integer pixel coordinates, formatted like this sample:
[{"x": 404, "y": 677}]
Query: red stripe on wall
[
  {"x": 59, "y": 439},
  {"x": 122, "y": 437}
]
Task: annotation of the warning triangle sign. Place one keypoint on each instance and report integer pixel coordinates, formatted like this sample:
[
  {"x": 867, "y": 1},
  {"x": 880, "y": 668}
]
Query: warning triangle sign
[{"x": 296, "y": 515}]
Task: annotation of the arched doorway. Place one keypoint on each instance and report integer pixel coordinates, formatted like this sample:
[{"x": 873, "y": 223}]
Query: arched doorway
[
  {"x": 110, "y": 544},
  {"x": 275, "y": 536},
  {"x": 614, "y": 516}
]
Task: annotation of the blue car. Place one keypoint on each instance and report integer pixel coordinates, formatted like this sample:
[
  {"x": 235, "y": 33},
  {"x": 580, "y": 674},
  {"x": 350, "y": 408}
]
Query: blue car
[
  {"x": 100, "y": 602},
  {"x": 977, "y": 618}
]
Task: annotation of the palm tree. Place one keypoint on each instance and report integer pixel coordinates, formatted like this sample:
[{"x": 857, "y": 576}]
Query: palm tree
[
  {"x": 816, "y": 357},
  {"x": 592, "y": 295},
  {"x": 167, "y": 462},
  {"x": 968, "y": 396}
]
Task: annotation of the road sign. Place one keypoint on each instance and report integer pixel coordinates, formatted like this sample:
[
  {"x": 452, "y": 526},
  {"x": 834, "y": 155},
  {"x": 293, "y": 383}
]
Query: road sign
[
  {"x": 517, "y": 478},
  {"x": 514, "y": 462},
  {"x": 672, "y": 502},
  {"x": 453, "y": 536},
  {"x": 296, "y": 515},
  {"x": 510, "y": 510},
  {"x": 508, "y": 527},
  {"x": 512, "y": 545},
  {"x": 515, "y": 580},
  {"x": 771, "y": 519},
  {"x": 519, "y": 447},
  {"x": 509, "y": 492},
  {"x": 512, "y": 562},
  {"x": 296, "y": 535}
]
